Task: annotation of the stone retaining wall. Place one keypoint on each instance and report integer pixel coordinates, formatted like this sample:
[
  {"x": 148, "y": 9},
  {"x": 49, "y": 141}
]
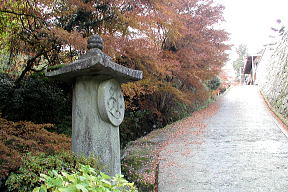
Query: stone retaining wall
[{"x": 272, "y": 75}]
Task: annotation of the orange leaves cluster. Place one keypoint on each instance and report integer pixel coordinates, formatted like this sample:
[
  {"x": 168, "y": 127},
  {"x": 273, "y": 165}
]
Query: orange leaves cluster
[
  {"x": 168, "y": 37},
  {"x": 19, "y": 138},
  {"x": 171, "y": 40},
  {"x": 138, "y": 90},
  {"x": 73, "y": 38},
  {"x": 176, "y": 39}
]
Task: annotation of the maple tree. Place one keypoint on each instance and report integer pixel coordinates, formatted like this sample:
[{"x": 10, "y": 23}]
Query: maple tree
[
  {"x": 53, "y": 32},
  {"x": 185, "y": 52},
  {"x": 174, "y": 42}
]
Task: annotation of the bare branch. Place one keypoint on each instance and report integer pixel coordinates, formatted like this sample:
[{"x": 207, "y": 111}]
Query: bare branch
[{"x": 19, "y": 14}]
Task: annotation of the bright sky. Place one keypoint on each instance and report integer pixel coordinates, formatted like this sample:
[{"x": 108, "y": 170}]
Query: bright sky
[{"x": 249, "y": 21}]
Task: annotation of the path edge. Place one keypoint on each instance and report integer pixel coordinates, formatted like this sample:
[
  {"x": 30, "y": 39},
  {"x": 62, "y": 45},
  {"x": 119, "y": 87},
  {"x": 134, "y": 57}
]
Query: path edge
[{"x": 276, "y": 119}]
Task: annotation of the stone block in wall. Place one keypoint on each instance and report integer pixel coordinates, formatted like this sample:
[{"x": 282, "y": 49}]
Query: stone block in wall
[{"x": 273, "y": 75}]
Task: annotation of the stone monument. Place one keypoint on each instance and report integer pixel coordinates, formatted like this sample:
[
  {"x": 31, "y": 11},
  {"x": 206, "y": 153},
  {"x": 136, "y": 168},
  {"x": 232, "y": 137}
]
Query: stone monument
[{"x": 98, "y": 104}]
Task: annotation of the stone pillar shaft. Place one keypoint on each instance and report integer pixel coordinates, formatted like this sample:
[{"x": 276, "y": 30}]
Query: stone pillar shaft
[{"x": 91, "y": 134}]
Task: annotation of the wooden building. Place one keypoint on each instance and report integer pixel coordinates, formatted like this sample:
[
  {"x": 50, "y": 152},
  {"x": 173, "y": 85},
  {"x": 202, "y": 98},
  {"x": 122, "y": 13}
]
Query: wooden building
[{"x": 250, "y": 69}]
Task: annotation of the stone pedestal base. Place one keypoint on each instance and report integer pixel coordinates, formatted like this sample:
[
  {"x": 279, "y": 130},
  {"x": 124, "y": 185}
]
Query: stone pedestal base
[{"x": 91, "y": 134}]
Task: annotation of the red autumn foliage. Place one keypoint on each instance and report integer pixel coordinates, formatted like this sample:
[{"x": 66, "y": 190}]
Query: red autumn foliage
[
  {"x": 173, "y": 37},
  {"x": 19, "y": 138},
  {"x": 174, "y": 42}
]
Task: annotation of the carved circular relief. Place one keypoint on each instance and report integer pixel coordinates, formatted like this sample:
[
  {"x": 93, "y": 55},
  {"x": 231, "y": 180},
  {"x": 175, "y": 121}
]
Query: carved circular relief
[{"x": 111, "y": 102}]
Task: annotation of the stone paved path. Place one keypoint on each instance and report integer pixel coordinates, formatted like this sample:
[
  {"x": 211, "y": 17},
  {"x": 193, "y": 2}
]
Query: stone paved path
[{"x": 242, "y": 149}]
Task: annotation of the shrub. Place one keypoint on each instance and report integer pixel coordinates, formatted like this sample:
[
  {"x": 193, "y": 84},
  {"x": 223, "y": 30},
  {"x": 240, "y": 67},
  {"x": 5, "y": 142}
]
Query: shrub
[
  {"x": 37, "y": 100},
  {"x": 28, "y": 176},
  {"x": 64, "y": 127},
  {"x": 136, "y": 124},
  {"x": 19, "y": 138},
  {"x": 214, "y": 83},
  {"x": 152, "y": 111},
  {"x": 141, "y": 122},
  {"x": 6, "y": 87},
  {"x": 169, "y": 105},
  {"x": 85, "y": 179}
]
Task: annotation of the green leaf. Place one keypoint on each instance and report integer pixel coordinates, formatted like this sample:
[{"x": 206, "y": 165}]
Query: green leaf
[
  {"x": 81, "y": 187},
  {"x": 64, "y": 189},
  {"x": 44, "y": 176},
  {"x": 43, "y": 189},
  {"x": 105, "y": 176},
  {"x": 54, "y": 172},
  {"x": 37, "y": 189},
  {"x": 64, "y": 173},
  {"x": 71, "y": 178},
  {"x": 82, "y": 178}
]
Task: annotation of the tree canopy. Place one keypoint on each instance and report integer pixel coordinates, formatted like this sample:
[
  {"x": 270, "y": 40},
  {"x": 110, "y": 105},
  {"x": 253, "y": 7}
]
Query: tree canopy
[
  {"x": 174, "y": 42},
  {"x": 242, "y": 52}
]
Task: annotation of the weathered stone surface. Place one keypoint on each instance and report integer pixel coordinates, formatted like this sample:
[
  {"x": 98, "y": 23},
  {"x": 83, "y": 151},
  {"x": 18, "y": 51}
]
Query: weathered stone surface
[
  {"x": 273, "y": 75},
  {"x": 92, "y": 135},
  {"x": 95, "y": 41},
  {"x": 111, "y": 102},
  {"x": 96, "y": 63}
]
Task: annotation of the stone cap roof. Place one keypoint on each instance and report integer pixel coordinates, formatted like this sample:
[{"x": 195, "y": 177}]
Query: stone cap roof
[{"x": 96, "y": 63}]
